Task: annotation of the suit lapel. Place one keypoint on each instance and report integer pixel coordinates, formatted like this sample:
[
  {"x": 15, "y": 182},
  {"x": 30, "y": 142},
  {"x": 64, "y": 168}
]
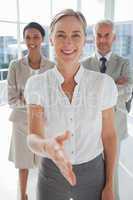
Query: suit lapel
[
  {"x": 26, "y": 67},
  {"x": 43, "y": 65},
  {"x": 96, "y": 64},
  {"x": 111, "y": 65}
]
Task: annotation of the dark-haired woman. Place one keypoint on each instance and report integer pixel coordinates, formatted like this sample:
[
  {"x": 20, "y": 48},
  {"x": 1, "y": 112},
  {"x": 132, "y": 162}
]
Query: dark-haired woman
[{"x": 19, "y": 71}]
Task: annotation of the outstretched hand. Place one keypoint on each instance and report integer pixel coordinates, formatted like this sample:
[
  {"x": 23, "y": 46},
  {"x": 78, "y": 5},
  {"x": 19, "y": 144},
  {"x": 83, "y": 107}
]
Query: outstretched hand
[{"x": 55, "y": 148}]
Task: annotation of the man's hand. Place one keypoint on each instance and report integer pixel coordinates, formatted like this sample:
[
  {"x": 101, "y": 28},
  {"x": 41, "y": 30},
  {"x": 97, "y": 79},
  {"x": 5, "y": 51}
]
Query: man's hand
[
  {"x": 121, "y": 80},
  {"x": 55, "y": 148}
]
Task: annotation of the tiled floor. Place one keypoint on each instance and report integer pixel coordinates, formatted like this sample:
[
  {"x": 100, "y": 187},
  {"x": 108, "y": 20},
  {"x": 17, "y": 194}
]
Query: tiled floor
[{"x": 8, "y": 174}]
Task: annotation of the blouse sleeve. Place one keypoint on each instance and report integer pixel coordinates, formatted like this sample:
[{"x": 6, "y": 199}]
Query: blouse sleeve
[
  {"x": 33, "y": 91},
  {"x": 110, "y": 93}
]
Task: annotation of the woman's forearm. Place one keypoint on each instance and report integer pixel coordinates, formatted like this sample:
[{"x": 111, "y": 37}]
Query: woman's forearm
[
  {"x": 110, "y": 158},
  {"x": 36, "y": 144}
]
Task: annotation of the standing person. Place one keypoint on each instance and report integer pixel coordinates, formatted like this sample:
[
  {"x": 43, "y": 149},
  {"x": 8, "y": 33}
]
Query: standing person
[
  {"x": 19, "y": 71},
  {"x": 70, "y": 116},
  {"x": 105, "y": 61}
]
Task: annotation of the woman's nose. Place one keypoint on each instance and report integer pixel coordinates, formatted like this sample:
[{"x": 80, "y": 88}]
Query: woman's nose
[{"x": 68, "y": 40}]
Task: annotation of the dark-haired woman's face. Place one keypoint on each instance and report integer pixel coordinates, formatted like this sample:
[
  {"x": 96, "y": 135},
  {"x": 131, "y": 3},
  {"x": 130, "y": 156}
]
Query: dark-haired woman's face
[{"x": 33, "y": 39}]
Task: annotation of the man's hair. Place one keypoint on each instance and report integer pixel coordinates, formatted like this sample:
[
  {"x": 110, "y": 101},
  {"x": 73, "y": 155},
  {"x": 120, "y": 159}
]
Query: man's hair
[
  {"x": 68, "y": 12},
  {"x": 104, "y": 22},
  {"x": 34, "y": 25}
]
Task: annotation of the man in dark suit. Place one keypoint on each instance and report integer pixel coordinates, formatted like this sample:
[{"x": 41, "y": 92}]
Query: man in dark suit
[{"x": 105, "y": 61}]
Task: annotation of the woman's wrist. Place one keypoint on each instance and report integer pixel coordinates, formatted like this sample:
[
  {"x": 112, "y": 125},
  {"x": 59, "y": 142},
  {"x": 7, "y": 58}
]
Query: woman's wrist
[
  {"x": 109, "y": 185},
  {"x": 44, "y": 145}
]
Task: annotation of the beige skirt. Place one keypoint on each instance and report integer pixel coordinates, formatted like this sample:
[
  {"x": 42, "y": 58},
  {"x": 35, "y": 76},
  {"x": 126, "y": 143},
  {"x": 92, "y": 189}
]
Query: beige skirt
[{"x": 19, "y": 153}]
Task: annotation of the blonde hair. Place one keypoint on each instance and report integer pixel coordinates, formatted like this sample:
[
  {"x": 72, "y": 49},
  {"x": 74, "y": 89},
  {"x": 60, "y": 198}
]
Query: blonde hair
[{"x": 65, "y": 13}]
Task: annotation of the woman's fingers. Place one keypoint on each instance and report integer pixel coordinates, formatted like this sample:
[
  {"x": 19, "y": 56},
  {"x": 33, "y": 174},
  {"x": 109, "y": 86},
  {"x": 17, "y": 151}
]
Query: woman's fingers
[
  {"x": 65, "y": 166},
  {"x": 71, "y": 175},
  {"x": 55, "y": 148},
  {"x": 62, "y": 138},
  {"x": 67, "y": 172},
  {"x": 62, "y": 160}
]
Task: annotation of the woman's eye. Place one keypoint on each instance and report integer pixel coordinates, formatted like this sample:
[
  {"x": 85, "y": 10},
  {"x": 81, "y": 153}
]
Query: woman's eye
[
  {"x": 27, "y": 38},
  {"x": 60, "y": 36},
  {"x": 76, "y": 36},
  {"x": 36, "y": 37}
]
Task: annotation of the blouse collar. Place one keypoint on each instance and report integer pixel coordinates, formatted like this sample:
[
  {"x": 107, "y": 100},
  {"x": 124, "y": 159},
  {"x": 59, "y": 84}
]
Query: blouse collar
[{"x": 77, "y": 77}]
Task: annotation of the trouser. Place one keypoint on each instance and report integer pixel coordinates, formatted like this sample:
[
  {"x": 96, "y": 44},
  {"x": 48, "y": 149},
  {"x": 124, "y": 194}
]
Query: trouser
[{"x": 53, "y": 186}]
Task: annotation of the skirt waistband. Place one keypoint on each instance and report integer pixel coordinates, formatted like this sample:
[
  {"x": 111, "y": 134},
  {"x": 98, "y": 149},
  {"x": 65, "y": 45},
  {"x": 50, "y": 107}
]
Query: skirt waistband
[{"x": 49, "y": 164}]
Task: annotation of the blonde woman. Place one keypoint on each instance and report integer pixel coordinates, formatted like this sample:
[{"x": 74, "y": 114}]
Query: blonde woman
[{"x": 70, "y": 116}]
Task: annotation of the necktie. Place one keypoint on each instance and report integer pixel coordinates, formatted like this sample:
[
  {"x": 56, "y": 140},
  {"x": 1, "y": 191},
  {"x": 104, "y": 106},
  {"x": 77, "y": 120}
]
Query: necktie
[{"x": 103, "y": 64}]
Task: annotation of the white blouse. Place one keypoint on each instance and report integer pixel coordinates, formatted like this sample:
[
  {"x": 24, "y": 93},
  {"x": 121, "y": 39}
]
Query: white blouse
[{"x": 93, "y": 93}]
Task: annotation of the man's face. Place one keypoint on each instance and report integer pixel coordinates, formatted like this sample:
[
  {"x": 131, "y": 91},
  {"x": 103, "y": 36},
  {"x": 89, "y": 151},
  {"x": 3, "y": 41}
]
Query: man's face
[{"x": 104, "y": 38}]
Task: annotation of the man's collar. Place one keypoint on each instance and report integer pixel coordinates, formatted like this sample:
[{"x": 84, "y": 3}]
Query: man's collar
[{"x": 107, "y": 56}]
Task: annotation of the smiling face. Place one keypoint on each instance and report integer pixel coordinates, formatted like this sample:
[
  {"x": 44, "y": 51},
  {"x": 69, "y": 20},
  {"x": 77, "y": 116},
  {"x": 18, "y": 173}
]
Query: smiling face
[
  {"x": 104, "y": 38},
  {"x": 68, "y": 39},
  {"x": 33, "y": 39}
]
